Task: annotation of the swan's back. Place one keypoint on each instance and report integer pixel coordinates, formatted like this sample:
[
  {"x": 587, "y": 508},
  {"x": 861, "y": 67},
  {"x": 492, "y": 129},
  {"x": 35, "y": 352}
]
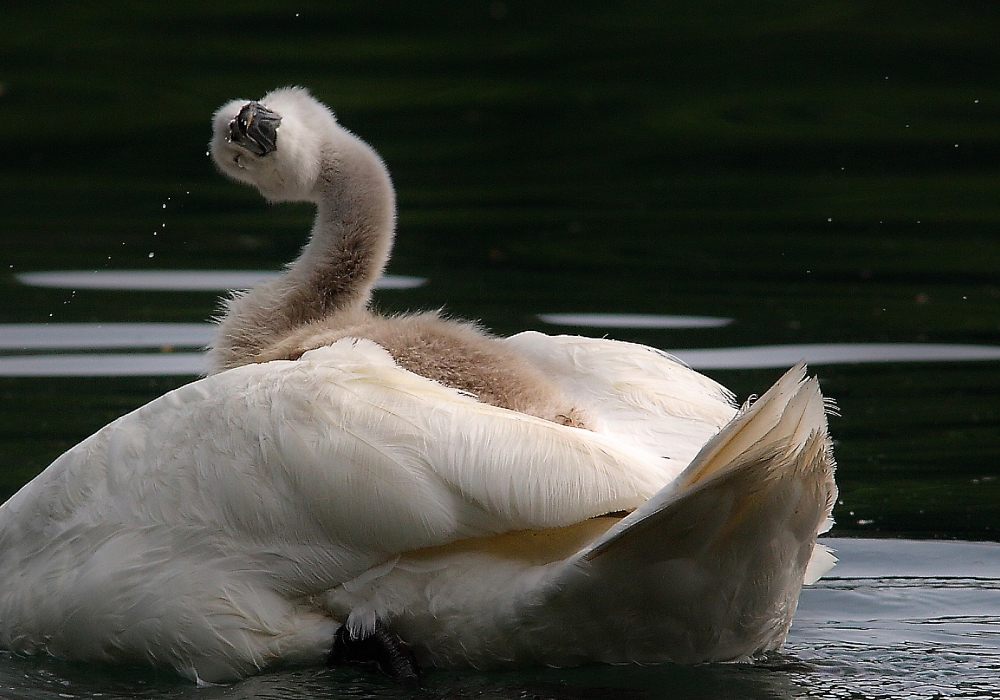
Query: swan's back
[
  {"x": 196, "y": 522},
  {"x": 636, "y": 393}
]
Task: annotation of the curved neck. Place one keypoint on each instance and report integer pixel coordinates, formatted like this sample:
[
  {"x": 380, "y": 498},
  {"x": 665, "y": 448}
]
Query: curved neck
[
  {"x": 351, "y": 238},
  {"x": 334, "y": 275}
]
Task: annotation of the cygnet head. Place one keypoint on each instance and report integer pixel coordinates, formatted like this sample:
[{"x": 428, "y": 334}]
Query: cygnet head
[{"x": 276, "y": 144}]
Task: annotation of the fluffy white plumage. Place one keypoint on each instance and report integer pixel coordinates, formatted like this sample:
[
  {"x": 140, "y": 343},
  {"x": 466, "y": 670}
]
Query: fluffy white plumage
[{"x": 238, "y": 521}]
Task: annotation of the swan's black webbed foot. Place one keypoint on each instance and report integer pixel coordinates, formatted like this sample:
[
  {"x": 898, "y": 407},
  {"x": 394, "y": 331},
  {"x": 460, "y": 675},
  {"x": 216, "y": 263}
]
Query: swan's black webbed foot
[
  {"x": 380, "y": 650},
  {"x": 256, "y": 129}
]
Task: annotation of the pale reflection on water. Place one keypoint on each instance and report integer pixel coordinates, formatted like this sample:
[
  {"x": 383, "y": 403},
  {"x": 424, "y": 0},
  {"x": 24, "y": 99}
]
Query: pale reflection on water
[
  {"x": 47, "y": 338},
  {"x": 58, "y": 336},
  {"x": 176, "y": 280},
  {"x": 104, "y": 365},
  {"x": 169, "y": 336},
  {"x": 831, "y": 354},
  {"x": 634, "y": 321}
]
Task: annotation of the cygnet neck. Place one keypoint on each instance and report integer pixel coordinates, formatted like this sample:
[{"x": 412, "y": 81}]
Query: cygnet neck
[
  {"x": 351, "y": 237},
  {"x": 333, "y": 277}
]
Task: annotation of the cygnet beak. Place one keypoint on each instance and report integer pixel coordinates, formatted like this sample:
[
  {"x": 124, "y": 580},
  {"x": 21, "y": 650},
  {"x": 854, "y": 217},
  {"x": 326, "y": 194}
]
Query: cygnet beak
[{"x": 255, "y": 128}]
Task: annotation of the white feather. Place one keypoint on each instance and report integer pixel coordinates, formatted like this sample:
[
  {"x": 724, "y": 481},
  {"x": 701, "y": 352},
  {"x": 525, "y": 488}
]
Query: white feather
[
  {"x": 635, "y": 392},
  {"x": 236, "y": 521}
]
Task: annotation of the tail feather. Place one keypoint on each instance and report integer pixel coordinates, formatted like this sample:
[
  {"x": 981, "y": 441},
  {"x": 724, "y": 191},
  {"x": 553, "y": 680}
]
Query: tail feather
[
  {"x": 715, "y": 561},
  {"x": 804, "y": 415},
  {"x": 754, "y": 422}
]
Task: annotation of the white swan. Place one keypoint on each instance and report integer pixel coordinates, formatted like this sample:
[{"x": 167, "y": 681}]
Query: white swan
[{"x": 337, "y": 472}]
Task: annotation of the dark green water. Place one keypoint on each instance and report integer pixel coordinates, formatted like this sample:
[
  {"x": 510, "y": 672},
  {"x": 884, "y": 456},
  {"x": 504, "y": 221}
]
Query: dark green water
[{"x": 820, "y": 172}]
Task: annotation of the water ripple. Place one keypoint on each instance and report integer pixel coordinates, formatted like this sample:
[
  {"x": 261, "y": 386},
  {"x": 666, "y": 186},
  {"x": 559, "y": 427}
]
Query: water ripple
[{"x": 176, "y": 280}]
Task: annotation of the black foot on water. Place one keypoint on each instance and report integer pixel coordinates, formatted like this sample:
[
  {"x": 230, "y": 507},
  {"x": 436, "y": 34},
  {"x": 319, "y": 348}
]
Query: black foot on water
[{"x": 379, "y": 650}]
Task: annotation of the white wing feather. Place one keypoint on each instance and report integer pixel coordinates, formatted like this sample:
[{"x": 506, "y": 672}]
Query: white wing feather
[
  {"x": 203, "y": 530},
  {"x": 635, "y": 393},
  {"x": 281, "y": 479},
  {"x": 707, "y": 569}
]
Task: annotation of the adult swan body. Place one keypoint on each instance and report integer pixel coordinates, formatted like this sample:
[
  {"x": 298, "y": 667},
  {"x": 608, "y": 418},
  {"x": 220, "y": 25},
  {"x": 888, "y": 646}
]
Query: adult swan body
[{"x": 342, "y": 475}]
